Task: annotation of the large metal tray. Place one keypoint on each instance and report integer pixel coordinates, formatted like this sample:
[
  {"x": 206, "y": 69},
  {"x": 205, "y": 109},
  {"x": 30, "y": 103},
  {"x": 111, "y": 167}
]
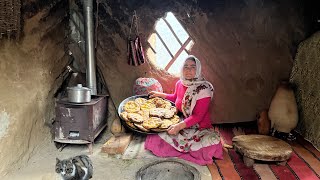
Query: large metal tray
[{"x": 121, "y": 109}]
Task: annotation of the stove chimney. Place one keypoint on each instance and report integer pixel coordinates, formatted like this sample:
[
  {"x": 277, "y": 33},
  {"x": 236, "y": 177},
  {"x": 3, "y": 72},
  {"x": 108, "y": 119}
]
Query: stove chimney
[{"x": 90, "y": 52}]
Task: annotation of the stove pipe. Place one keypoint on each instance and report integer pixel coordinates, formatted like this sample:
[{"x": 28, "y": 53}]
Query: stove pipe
[{"x": 90, "y": 53}]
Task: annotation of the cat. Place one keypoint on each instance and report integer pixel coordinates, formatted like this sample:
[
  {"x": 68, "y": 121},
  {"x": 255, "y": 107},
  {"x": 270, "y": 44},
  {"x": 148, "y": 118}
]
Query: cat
[{"x": 75, "y": 168}]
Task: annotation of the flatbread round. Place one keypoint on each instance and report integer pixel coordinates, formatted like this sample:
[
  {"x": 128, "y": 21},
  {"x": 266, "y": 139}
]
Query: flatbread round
[
  {"x": 152, "y": 100},
  {"x": 141, "y": 113},
  {"x": 140, "y": 101},
  {"x": 147, "y": 106},
  {"x": 175, "y": 119},
  {"x": 135, "y": 117},
  {"x": 152, "y": 122},
  {"x": 157, "y": 112},
  {"x": 131, "y": 124},
  {"x": 161, "y": 113},
  {"x": 166, "y": 105},
  {"x": 146, "y": 114},
  {"x": 131, "y": 107},
  {"x": 160, "y": 103},
  {"x": 174, "y": 109},
  {"x": 168, "y": 114},
  {"x": 141, "y": 127},
  {"x": 163, "y": 104},
  {"x": 124, "y": 115},
  {"x": 166, "y": 123}
]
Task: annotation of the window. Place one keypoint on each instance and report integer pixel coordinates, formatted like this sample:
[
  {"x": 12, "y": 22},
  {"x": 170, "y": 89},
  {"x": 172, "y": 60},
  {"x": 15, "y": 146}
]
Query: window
[{"x": 169, "y": 44}]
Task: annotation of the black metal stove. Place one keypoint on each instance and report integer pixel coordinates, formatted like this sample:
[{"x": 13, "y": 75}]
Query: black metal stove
[{"x": 80, "y": 123}]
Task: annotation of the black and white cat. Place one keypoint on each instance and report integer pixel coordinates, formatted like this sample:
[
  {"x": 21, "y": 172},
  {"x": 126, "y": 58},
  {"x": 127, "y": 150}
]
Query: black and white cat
[{"x": 75, "y": 168}]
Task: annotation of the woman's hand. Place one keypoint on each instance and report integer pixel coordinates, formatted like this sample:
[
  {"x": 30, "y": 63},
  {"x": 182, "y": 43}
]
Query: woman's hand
[
  {"x": 174, "y": 129},
  {"x": 153, "y": 94}
]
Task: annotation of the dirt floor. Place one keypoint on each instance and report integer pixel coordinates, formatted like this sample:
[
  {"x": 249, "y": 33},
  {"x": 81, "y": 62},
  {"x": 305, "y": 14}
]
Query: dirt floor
[{"x": 41, "y": 166}]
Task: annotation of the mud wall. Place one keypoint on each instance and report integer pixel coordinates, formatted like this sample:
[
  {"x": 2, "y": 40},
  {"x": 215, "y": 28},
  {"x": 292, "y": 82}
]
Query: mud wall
[
  {"x": 29, "y": 76},
  {"x": 246, "y": 48}
]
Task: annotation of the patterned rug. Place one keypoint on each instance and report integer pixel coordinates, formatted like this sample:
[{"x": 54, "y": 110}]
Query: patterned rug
[{"x": 304, "y": 163}]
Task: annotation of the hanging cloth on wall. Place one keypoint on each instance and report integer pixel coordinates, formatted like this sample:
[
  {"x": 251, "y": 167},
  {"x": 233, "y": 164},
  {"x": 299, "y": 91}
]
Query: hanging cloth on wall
[{"x": 135, "y": 51}]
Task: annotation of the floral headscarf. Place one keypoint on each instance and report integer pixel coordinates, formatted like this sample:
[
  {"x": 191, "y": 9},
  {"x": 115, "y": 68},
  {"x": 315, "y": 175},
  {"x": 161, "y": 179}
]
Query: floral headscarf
[{"x": 198, "y": 88}]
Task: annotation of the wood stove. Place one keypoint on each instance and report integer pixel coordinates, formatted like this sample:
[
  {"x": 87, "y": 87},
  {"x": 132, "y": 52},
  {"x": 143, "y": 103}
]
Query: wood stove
[{"x": 80, "y": 123}]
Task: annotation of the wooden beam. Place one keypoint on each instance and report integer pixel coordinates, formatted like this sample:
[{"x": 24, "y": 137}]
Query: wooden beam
[
  {"x": 177, "y": 54},
  {"x": 78, "y": 28},
  {"x": 117, "y": 144}
]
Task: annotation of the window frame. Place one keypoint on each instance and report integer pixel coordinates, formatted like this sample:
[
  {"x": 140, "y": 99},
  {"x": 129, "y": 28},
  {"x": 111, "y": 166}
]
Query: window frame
[{"x": 182, "y": 45}]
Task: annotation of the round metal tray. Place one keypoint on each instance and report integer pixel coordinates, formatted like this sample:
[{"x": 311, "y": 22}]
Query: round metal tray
[{"x": 121, "y": 109}]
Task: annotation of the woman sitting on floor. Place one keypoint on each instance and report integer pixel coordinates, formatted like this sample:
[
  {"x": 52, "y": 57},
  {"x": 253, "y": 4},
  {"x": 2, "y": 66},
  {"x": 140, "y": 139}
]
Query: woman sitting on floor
[{"x": 193, "y": 139}]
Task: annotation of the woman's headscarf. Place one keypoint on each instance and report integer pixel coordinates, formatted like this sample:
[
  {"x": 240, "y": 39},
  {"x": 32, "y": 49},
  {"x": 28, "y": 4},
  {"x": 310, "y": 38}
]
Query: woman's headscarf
[{"x": 198, "y": 88}]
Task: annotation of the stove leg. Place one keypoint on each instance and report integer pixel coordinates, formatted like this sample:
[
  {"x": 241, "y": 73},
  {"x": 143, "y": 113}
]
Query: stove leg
[
  {"x": 90, "y": 147},
  {"x": 63, "y": 146}
]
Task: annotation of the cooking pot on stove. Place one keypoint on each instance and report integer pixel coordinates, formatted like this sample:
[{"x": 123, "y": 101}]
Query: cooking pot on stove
[{"x": 79, "y": 94}]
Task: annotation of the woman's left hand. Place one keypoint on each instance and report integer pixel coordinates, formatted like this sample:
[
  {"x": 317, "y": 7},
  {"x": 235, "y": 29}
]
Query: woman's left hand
[{"x": 174, "y": 129}]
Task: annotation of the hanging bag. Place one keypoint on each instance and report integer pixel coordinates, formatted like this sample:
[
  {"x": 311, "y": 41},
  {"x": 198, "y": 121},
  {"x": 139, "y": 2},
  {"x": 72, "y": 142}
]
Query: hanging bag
[{"x": 135, "y": 53}]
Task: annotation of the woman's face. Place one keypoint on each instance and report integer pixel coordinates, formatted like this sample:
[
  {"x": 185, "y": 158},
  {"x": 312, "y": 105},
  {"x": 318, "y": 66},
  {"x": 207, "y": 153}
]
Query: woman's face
[{"x": 189, "y": 69}]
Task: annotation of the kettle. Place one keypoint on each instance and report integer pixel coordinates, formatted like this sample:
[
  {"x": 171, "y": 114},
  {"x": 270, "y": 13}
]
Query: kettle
[{"x": 79, "y": 94}]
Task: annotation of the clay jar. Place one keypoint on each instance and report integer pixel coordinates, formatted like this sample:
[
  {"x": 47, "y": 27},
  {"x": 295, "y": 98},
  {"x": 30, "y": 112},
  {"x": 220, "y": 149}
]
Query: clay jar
[
  {"x": 264, "y": 123},
  {"x": 283, "y": 111}
]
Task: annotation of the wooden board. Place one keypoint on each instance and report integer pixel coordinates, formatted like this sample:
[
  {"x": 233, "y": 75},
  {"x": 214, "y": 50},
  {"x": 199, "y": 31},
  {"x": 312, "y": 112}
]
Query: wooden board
[
  {"x": 117, "y": 144},
  {"x": 260, "y": 147}
]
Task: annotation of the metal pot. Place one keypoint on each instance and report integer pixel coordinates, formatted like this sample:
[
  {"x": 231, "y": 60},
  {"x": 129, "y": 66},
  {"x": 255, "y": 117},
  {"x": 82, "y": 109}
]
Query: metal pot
[{"x": 79, "y": 94}]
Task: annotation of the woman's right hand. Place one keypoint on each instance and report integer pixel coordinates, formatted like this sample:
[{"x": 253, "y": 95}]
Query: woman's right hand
[{"x": 153, "y": 94}]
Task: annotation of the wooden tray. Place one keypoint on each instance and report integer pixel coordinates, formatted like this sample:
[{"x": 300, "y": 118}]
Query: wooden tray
[{"x": 261, "y": 147}]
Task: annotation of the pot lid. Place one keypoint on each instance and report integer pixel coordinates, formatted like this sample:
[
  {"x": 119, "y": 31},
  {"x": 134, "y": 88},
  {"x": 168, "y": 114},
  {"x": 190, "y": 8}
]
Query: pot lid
[{"x": 79, "y": 87}]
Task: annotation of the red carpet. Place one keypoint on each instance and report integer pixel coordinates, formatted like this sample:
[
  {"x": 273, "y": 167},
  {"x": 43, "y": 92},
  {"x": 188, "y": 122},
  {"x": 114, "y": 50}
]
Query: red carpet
[{"x": 304, "y": 163}]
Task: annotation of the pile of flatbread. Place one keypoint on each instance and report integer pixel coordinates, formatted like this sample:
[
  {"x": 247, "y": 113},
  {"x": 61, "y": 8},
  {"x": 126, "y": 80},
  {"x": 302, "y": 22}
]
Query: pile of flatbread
[{"x": 154, "y": 114}]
